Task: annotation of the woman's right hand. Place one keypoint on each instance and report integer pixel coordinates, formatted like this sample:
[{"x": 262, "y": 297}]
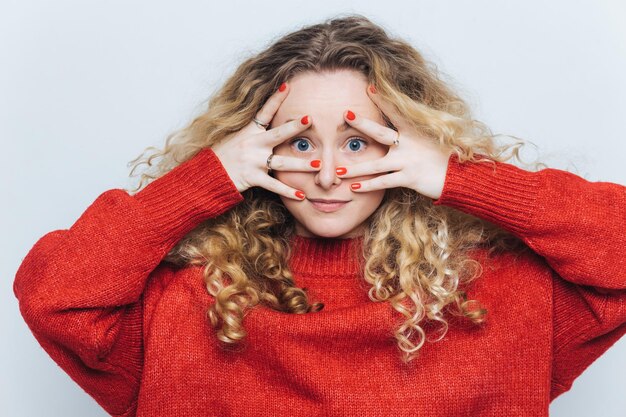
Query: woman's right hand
[{"x": 244, "y": 153}]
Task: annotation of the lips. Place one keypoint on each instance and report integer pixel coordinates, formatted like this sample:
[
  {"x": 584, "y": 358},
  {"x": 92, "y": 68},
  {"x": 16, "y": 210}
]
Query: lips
[
  {"x": 320, "y": 200},
  {"x": 328, "y": 206}
]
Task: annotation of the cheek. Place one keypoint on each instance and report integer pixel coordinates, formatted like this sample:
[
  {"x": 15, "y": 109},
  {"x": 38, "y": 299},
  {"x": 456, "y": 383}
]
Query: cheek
[
  {"x": 367, "y": 201},
  {"x": 291, "y": 178},
  {"x": 373, "y": 199}
]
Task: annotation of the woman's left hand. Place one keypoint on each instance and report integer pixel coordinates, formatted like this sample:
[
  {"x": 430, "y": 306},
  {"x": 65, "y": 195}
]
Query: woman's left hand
[{"x": 416, "y": 162}]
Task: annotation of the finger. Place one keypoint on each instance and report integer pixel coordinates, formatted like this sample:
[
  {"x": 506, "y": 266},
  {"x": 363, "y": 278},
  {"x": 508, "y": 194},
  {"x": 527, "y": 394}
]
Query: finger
[
  {"x": 280, "y": 188},
  {"x": 289, "y": 163},
  {"x": 388, "y": 109},
  {"x": 269, "y": 109},
  {"x": 279, "y": 134},
  {"x": 379, "y": 183},
  {"x": 375, "y": 130},
  {"x": 383, "y": 165}
]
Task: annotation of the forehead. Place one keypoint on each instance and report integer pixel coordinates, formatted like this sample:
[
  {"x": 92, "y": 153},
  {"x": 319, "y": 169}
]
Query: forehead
[{"x": 325, "y": 93}]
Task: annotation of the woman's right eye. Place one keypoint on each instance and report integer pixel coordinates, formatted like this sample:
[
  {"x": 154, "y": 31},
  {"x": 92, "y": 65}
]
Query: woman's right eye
[{"x": 301, "y": 144}]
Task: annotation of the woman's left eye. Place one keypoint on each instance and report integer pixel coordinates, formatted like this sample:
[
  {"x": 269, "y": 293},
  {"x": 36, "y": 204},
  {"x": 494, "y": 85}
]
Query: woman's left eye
[{"x": 356, "y": 144}]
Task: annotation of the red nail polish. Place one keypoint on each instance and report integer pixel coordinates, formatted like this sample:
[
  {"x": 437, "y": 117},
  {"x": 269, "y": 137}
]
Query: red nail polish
[
  {"x": 341, "y": 171},
  {"x": 305, "y": 120},
  {"x": 355, "y": 186},
  {"x": 350, "y": 115},
  {"x": 316, "y": 163},
  {"x": 300, "y": 194},
  {"x": 282, "y": 87},
  {"x": 372, "y": 89}
]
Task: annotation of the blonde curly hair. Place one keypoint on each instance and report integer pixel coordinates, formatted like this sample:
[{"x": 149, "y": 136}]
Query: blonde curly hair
[{"x": 418, "y": 256}]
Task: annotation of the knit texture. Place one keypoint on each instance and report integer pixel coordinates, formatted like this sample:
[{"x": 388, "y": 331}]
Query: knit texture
[{"x": 132, "y": 331}]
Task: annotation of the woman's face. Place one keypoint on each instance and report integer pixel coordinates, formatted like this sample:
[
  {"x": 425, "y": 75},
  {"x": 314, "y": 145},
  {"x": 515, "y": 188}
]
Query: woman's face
[{"x": 325, "y": 97}]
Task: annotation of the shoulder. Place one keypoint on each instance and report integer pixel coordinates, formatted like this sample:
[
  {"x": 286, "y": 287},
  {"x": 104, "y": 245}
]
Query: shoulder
[
  {"x": 173, "y": 287},
  {"x": 513, "y": 282}
]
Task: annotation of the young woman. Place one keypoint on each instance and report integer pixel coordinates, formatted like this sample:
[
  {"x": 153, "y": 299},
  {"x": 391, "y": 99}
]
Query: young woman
[{"x": 335, "y": 208}]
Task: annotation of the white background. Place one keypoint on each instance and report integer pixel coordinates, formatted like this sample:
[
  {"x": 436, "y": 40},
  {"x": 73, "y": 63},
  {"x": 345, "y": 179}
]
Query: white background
[{"x": 85, "y": 86}]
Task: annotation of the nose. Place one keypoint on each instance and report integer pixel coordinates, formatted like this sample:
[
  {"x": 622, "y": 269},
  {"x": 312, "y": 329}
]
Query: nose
[{"x": 327, "y": 177}]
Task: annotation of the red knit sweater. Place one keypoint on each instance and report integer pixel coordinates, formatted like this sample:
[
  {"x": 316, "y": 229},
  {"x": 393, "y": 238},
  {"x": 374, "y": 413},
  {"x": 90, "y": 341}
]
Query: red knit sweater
[{"x": 132, "y": 332}]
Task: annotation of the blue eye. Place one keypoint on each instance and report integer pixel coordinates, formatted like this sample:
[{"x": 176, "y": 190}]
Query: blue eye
[
  {"x": 356, "y": 141},
  {"x": 300, "y": 141}
]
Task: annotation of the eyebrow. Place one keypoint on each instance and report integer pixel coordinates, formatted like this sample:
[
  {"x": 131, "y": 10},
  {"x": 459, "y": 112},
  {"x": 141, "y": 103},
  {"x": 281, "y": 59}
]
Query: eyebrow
[{"x": 341, "y": 128}]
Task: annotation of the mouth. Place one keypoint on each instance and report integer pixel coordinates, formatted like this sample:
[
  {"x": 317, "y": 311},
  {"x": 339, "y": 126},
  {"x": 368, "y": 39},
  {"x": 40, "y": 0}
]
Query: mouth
[
  {"x": 328, "y": 206},
  {"x": 321, "y": 200}
]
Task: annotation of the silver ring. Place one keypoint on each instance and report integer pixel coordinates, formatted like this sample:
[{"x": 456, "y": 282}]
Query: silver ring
[
  {"x": 396, "y": 141},
  {"x": 267, "y": 164},
  {"x": 260, "y": 123}
]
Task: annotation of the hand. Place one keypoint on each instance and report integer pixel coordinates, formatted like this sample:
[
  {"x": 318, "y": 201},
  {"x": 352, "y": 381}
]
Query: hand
[
  {"x": 417, "y": 162},
  {"x": 244, "y": 153}
]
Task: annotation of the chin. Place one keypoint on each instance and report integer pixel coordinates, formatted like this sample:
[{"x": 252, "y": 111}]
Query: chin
[
  {"x": 328, "y": 234},
  {"x": 328, "y": 231}
]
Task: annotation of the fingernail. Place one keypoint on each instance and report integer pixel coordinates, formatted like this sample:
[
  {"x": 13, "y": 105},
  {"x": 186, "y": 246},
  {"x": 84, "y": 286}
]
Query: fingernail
[
  {"x": 300, "y": 194},
  {"x": 341, "y": 171},
  {"x": 282, "y": 87},
  {"x": 355, "y": 186},
  {"x": 316, "y": 163},
  {"x": 350, "y": 115},
  {"x": 372, "y": 89},
  {"x": 305, "y": 120}
]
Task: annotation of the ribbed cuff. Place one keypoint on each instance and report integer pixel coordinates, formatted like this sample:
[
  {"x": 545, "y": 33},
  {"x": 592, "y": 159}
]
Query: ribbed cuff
[
  {"x": 498, "y": 192},
  {"x": 192, "y": 192}
]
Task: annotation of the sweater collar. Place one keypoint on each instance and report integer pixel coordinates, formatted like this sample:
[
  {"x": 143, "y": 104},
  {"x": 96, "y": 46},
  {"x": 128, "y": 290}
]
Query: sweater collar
[{"x": 325, "y": 257}]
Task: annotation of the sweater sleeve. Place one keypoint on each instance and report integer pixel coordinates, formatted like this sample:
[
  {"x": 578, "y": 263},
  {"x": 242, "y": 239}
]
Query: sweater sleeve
[
  {"x": 80, "y": 290},
  {"x": 577, "y": 226}
]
